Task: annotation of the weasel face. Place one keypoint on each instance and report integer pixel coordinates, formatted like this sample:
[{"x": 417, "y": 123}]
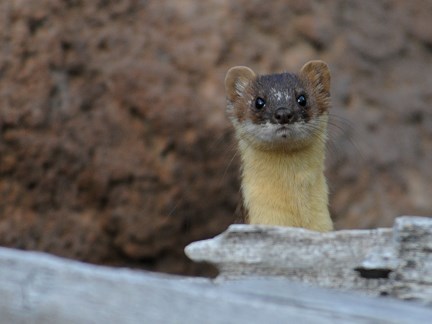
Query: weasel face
[{"x": 279, "y": 111}]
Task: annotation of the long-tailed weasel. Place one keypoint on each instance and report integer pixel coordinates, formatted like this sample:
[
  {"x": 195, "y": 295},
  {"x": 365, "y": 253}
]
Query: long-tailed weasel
[{"x": 281, "y": 125}]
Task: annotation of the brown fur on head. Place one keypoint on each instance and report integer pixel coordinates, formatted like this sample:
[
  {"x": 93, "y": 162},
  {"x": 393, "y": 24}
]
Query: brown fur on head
[{"x": 279, "y": 111}]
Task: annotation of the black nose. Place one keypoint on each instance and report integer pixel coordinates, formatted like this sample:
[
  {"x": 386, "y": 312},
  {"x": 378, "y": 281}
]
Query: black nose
[{"x": 284, "y": 115}]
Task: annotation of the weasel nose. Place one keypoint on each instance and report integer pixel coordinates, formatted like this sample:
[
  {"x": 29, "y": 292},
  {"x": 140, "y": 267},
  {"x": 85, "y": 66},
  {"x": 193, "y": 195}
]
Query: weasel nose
[{"x": 284, "y": 115}]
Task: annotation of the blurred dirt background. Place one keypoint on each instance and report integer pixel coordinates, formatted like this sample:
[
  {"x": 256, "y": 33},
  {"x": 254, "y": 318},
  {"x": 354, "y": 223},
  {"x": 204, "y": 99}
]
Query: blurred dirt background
[{"x": 114, "y": 146}]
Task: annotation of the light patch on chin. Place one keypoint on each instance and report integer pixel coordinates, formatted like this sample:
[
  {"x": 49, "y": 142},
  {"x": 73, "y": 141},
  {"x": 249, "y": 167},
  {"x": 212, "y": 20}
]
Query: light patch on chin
[
  {"x": 271, "y": 133},
  {"x": 263, "y": 132}
]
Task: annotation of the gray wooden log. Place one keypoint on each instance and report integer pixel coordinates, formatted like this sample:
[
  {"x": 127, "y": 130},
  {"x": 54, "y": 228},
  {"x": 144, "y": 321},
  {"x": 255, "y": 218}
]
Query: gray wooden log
[
  {"x": 396, "y": 262},
  {"x": 39, "y": 288},
  {"x": 323, "y": 259},
  {"x": 412, "y": 278}
]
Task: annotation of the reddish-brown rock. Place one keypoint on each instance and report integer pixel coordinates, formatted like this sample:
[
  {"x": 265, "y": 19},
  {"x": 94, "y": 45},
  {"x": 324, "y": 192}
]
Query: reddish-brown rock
[{"x": 114, "y": 146}]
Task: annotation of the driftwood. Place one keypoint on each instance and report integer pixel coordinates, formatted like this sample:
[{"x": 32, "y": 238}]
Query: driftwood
[
  {"x": 396, "y": 262},
  {"x": 39, "y": 288}
]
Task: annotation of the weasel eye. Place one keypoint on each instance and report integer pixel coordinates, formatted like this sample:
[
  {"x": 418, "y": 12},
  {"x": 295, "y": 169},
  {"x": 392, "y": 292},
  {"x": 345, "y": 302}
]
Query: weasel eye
[
  {"x": 301, "y": 100},
  {"x": 260, "y": 103}
]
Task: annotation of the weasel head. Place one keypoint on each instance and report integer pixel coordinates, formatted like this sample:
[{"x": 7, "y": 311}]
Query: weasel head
[{"x": 283, "y": 111}]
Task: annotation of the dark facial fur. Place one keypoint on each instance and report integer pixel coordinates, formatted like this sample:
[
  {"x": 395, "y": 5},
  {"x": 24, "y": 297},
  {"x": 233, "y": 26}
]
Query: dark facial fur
[
  {"x": 280, "y": 94},
  {"x": 279, "y": 110}
]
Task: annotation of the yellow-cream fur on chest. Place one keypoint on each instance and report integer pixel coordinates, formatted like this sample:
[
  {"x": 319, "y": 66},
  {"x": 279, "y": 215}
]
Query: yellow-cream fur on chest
[{"x": 285, "y": 188}]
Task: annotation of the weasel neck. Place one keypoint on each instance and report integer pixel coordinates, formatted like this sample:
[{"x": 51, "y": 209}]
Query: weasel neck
[{"x": 286, "y": 188}]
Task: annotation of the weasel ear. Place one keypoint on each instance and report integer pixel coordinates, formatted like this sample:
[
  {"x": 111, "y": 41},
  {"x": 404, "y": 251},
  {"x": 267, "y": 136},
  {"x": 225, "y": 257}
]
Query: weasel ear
[
  {"x": 236, "y": 81},
  {"x": 318, "y": 74}
]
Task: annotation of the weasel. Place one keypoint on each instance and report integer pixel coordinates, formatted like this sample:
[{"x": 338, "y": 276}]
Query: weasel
[{"x": 280, "y": 121}]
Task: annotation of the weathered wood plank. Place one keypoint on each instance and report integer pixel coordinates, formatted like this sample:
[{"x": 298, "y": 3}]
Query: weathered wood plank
[
  {"x": 397, "y": 261},
  {"x": 39, "y": 288},
  {"x": 412, "y": 278},
  {"x": 324, "y": 259}
]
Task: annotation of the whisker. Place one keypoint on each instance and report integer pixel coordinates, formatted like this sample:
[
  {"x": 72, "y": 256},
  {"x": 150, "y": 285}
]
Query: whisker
[
  {"x": 339, "y": 126},
  {"x": 228, "y": 166}
]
